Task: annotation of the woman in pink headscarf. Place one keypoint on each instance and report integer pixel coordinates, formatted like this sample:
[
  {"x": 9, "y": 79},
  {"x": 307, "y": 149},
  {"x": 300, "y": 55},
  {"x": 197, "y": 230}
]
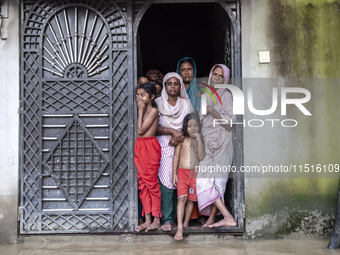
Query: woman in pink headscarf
[
  {"x": 219, "y": 151},
  {"x": 173, "y": 105}
]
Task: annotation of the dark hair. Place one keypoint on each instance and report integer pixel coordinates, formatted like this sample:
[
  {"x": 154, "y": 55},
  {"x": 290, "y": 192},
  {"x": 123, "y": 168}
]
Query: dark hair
[
  {"x": 150, "y": 89},
  {"x": 188, "y": 117},
  {"x": 187, "y": 60},
  {"x": 140, "y": 76}
]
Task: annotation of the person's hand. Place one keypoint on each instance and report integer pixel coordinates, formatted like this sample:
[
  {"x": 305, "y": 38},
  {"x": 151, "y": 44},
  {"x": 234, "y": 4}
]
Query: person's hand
[
  {"x": 140, "y": 103},
  {"x": 180, "y": 139},
  {"x": 174, "y": 180},
  {"x": 198, "y": 136},
  {"x": 209, "y": 108},
  {"x": 173, "y": 142},
  {"x": 229, "y": 128},
  {"x": 177, "y": 137},
  {"x": 176, "y": 134}
]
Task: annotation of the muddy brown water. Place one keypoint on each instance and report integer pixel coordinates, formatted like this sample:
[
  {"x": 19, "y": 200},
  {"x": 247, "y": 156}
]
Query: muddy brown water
[{"x": 230, "y": 247}]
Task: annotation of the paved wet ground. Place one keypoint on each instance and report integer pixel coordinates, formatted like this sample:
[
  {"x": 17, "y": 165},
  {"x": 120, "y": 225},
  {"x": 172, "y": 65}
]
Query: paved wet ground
[{"x": 101, "y": 246}]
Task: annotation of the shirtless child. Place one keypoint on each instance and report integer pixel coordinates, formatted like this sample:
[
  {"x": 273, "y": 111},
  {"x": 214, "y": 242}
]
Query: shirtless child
[
  {"x": 147, "y": 157},
  {"x": 187, "y": 156}
]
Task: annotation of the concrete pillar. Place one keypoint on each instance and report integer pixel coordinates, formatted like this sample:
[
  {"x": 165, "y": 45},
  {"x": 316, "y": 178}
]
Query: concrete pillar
[{"x": 9, "y": 124}]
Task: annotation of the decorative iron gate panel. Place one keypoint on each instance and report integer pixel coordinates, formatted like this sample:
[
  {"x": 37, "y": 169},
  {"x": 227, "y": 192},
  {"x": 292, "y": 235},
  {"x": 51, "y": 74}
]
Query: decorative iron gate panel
[{"x": 75, "y": 130}]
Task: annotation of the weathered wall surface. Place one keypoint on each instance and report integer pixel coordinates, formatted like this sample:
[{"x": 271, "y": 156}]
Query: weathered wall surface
[
  {"x": 303, "y": 37},
  {"x": 9, "y": 125}
]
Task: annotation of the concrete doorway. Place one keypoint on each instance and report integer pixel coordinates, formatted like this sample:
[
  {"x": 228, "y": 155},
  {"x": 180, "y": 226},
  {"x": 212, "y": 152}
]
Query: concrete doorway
[{"x": 205, "y": 32}]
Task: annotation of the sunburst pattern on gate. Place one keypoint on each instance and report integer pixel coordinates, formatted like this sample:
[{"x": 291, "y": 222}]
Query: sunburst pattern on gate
[{"x": 75, "y": 44}]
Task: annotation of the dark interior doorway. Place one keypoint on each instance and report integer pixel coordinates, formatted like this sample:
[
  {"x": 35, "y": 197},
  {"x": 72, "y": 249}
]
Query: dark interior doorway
[{"x": 169, "y": 32}]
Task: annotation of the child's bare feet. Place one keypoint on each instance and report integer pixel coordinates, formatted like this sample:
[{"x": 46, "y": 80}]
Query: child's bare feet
[
  {"x": 142, "y": 226},
  {"x": 226, "y": 222},
  {"x": 208, "y": 223},
  {"x": 179, "y": 234},
  {"x": 154, "y": 225},
  {"x": 167, "y": 226}
]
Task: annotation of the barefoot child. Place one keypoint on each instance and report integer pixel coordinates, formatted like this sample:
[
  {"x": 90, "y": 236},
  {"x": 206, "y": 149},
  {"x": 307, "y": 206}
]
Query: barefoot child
[
  {"x": 147, "y": 156},
  {"x": 188, "y": 154},
  {"x": 141, "y": 78}
]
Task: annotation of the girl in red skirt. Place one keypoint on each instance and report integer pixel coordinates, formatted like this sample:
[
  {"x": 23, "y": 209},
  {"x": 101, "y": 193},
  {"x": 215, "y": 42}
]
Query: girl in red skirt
[
  {"x": 147, "y": 157},
  {"x": 187, "y": 156}
]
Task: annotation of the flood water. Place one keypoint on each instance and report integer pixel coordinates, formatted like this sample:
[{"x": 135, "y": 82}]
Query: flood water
[{"x": 230, "y": 247}]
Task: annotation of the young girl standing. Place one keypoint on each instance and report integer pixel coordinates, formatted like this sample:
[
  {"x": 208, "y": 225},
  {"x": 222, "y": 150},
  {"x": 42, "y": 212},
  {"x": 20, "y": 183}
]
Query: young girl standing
[
  {"x": 187, "y": 156},
  {"x": 147, "y": 156}
]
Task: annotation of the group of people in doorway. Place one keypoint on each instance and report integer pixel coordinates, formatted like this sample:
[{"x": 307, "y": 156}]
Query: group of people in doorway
[{"x": 173, "y": 138}]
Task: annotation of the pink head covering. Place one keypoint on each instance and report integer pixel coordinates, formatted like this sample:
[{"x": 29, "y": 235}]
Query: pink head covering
[
  {"x": 173, "y": 117},
  {"x": 220, "y": 91},
  {"x": 226, "y": 72}
]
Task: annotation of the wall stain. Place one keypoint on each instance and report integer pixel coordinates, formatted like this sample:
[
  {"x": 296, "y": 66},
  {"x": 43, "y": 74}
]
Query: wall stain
[{"x": 306, "y": 35}]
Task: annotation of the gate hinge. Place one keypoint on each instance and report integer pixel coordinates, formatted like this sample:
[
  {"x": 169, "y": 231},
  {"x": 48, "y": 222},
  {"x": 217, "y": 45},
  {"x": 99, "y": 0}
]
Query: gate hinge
[
  {"x": 244, "y": 211},
  {"x": 20, "y": 211},
  {"x": 20, "y": 110}
]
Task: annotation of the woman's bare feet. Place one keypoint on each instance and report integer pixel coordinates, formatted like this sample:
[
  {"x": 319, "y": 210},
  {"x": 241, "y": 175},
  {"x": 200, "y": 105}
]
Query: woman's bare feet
[
  {"x": 145, "y": 225},
  {"x": 179, "y": 234},
  {"x": 167, "y": 227},
  {"x": 226, "y": 222},
  {"x": 154, "y": 225},
  {"x": 208, "y": 223}
]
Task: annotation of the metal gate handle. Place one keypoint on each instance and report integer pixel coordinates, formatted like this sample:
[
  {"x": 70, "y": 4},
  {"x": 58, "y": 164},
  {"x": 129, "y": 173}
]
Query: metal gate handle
[{"x": 1, "y": 24}]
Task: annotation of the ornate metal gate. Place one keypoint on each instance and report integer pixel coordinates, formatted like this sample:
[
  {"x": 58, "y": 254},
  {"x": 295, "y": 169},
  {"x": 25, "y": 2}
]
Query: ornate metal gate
[{"x": 76, "y": 134}]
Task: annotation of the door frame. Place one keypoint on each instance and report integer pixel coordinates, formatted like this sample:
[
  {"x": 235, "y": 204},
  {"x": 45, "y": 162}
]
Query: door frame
[{"x": 238, "y": 188}]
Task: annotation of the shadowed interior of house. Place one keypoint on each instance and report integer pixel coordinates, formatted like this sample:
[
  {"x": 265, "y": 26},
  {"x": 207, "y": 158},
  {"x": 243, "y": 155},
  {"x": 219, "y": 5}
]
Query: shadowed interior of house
[{"x": 169, "y": 32}]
